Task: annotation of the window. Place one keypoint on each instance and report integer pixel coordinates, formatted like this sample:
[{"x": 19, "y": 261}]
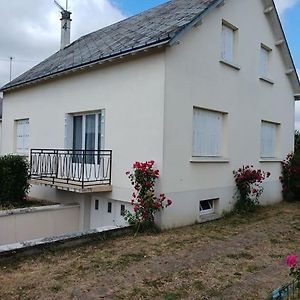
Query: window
[
  {"x": 264, "y": 61},
  {"x": 228, "y": 41},
  {"x": 268, "y": 139},
  {"x": 96, "y": 204},
  {"x": 206, "y": 206},
  {"x": 207, "y": 132},
  {"x": 22, "y": 136},
  {"x": 109, "y": 207},
  {"x": 122, "y": 210},
  {"x": 88, "y": 133}
]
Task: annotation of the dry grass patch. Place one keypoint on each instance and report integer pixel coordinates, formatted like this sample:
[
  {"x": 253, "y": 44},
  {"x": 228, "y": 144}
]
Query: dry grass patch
[{"x": 233, "y": 258}]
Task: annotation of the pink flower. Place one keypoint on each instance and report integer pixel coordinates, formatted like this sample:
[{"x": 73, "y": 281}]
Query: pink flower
[
  {"x": 169, "y": 202},
  {"x": 291, "y": 260}
]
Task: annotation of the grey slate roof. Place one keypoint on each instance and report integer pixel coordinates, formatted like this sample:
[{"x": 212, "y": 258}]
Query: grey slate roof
[{"x": 151, "y": 27}]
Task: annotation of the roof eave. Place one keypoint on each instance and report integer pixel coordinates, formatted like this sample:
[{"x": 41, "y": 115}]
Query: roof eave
[{"x": 110, "y": 58}]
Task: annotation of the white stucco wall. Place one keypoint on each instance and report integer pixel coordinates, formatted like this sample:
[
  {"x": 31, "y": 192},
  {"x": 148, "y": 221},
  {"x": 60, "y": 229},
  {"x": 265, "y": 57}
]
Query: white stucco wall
[{"x": 195, "y": 77}]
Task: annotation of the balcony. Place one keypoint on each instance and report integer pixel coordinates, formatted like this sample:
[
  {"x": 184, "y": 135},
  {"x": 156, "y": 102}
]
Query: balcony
[{"x": 80, "y": 171}]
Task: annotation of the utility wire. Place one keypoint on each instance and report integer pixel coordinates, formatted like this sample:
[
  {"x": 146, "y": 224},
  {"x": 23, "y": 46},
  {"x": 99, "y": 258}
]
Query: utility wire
[{"x": 19, "y": 60}]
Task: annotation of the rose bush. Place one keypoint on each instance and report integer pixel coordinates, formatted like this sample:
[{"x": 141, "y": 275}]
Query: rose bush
[
  {"x": 249, "y": 187},
  {"x": 144, "y": 199},
  {"x": 292, "y": 262},
  {"x": 290, "y": 178}
]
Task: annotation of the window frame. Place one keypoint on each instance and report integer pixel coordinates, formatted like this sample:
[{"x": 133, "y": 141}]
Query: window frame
[
  {"x": 265, "y": 64},
  {"x": 211, "y": 210},
  {"x": 231, "y": 61},
  {"x": 25, "y": 137},
  {"x": 221, "y": 134},
  {"x": 83, "y": 129},
  {"x": 122, "y": 210},
  {"x": 274, "y": 154}
]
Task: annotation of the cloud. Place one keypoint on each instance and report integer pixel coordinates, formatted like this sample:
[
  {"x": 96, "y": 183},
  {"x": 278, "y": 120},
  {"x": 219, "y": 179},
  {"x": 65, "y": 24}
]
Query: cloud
[
  {"x": 32, "y": 29},
  {"x": 283, "y": 5}
]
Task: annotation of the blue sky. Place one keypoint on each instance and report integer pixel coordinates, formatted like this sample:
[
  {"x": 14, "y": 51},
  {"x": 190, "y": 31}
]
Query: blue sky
[{"x": 291, "y": 24}]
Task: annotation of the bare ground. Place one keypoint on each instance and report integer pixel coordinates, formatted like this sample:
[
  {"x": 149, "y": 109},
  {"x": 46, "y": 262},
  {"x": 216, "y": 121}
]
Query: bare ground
[{"x": 233, "y": 258}]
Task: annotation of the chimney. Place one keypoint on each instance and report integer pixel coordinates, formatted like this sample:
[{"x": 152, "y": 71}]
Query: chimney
[{"x": 65, "y": 28}]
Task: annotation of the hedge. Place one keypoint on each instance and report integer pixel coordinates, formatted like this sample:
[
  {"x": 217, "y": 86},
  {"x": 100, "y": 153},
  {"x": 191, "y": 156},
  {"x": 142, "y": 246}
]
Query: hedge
[{"x": 14, "y": 175}]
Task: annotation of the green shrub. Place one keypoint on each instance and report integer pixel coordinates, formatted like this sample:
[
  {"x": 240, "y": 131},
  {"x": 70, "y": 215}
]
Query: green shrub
[{"x": 14, "y": 175}]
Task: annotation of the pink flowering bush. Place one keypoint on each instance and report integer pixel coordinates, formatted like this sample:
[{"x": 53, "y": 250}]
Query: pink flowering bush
[
  {"x": 292, "y": 262},
  {"x": 290, "y": 178},
  {"x": 144, "y": 200},
  {"x": 249, "y": 187}
]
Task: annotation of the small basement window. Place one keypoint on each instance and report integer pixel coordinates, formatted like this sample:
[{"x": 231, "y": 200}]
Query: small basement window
[
  {"x": 206, "y": 206},
  {"x": 122, "y": 210},
  {"x": 109, "y": 207},
  {"x": 96, "y": 204}
]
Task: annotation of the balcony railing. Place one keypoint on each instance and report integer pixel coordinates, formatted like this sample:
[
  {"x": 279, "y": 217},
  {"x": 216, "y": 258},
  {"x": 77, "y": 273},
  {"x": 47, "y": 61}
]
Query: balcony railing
[{"x": 71, "y": 168}]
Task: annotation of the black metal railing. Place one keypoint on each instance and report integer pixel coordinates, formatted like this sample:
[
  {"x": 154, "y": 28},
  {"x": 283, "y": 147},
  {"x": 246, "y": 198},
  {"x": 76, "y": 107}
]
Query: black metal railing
[
  {"x": 289, "y": 291},
  {"x": 81, "y": 168}
]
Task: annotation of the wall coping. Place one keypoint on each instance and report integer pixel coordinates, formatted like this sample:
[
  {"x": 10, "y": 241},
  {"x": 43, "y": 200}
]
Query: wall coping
[
  {"x": 66, "y": 240},
  {"x": 35, "y": 209}
]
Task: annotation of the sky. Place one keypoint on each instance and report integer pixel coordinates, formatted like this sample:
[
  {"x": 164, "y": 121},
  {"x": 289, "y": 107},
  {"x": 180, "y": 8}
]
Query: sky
[{"x": 31, "y": 30}]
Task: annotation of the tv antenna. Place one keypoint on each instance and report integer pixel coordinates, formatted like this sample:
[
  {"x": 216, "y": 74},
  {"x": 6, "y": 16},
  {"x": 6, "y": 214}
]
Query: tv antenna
[
  {"x": 60, "y": 7},
  {"x": 65, "y": 24}
]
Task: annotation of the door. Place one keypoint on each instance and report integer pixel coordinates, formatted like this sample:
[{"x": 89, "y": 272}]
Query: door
[{"x": 88, "y": 135}]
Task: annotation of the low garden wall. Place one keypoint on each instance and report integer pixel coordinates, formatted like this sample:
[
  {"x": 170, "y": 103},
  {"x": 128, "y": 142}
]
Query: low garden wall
[{"x": 25, "y": 224}]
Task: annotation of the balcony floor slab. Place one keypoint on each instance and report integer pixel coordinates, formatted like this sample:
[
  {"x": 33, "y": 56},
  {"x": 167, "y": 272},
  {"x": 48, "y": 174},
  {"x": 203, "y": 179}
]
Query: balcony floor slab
[{"x": 71, "y": 187}]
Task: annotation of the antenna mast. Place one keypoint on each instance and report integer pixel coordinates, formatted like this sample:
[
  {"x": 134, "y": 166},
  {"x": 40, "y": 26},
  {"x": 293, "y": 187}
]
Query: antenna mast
[
  {"x": 65, "y": 25},
  {"x": 10, "y": 68}
]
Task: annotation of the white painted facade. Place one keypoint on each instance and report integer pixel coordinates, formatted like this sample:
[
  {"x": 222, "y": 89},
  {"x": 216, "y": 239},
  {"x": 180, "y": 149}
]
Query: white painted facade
[{"x": 148, "y": 101}]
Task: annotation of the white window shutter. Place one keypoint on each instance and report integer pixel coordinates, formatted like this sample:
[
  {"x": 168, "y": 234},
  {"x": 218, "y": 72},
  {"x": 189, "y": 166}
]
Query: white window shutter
[
  {"x": 68, "y": 138},
  {"x": 207, "y": 132},
  {"x": 264, "y": 57},
  {"x": 22, "y": 136},
  {"x": 227, "y": 43},
  {"x": 268, "y": 139}
]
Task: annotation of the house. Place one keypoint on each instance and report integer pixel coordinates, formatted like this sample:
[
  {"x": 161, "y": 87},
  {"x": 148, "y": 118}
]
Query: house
[{"x": 202, "y": 87}]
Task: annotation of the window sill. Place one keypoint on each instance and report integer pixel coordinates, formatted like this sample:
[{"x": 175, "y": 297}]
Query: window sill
[
  {"x": 209, "y": 160},
  {"x": 267, "y": 80},
  {"x": 266, "y": 160},
  {"x": 230, "y": 64}
]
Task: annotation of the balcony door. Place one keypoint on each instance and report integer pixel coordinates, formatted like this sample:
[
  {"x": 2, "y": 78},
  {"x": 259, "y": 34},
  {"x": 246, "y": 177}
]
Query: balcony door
[{"x": 88, "y": 135}]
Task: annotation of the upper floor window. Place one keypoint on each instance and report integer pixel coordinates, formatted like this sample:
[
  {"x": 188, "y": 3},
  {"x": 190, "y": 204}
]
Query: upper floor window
[
  {"x": 228, "y": 42},
  {"x": 268, "y": 139},
  {"x": 22, "y": 136},
  {"x": 207, "y": 132},
  {"x": 264, "y": 61}
]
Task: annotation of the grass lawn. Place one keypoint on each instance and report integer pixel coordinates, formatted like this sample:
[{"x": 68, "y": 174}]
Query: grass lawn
[{"x": 233, "y": 258}]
